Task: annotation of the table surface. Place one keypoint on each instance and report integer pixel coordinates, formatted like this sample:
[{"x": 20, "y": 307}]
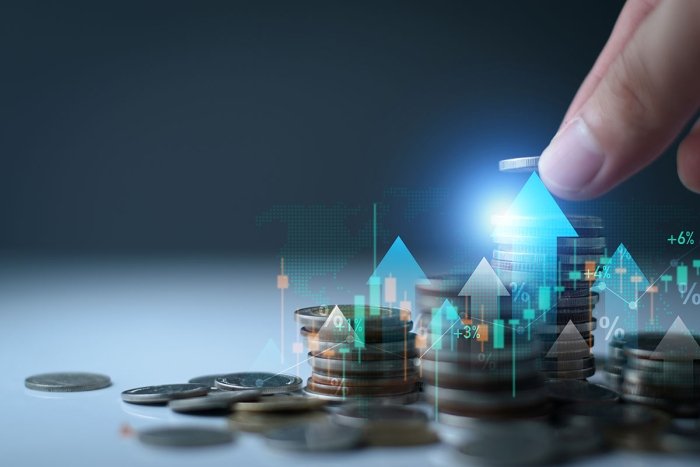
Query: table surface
[{"x": 146, "y": 322}]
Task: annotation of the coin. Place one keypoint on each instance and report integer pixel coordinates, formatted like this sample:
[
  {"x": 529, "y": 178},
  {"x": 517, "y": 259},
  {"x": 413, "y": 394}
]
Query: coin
[
  {"x": 573, "y": 374},
  {"x": 67, "y": 382},
  {"x": 313, "y": 318},
  {"x": 184, "y": 436},
  {"x": 481, "y": 401},
  {"x": 387, "y": 425},
  {"x": 315, "y": 437},
  {"x": 369, "y": 336},
  {"x": 408, "y": 398},
  {"x": 570, "y": 391},
  {"x": 353, "y": 366},
  {"x": 319, "y": 378},
  {"x": 361, "y": 415},
  {"x": 361, "y": 391},
  {"x": 514, "y": 443},
  {"x": 210, "y": 380},
  {"x": 681, "y": 440},
  {"x": 519, "y": 164},
  {"x": 261, "y": 422},
  {"x": 217, "y": 402},
  {"x": 267, "y": 383},
  {"x": 163, "y": 393},
  {"x": 281, "y": 404},
  {"x": 568, "y": 365},
  {"x": 646, "y": 345}
]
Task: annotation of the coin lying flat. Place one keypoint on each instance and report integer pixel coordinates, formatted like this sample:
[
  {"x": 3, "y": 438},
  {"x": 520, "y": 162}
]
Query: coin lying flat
[
  {"x": 185, "y": 436},
  {"x": 266, "y": 383},
  {"x": 570, "y": 391},
  {"x": 218, "y": 402},
  {"x": 281, "y": 404},
  {"x": 315, "y": 437},
  {"x": 163, "y": 393},
  {"x": 260, "y": 422},
  {"x": 207, "y": 379},
  {"x": 387, "y": 425},
  {"x": 521, "y": 443},
  {"x": 67, "y": 382}
]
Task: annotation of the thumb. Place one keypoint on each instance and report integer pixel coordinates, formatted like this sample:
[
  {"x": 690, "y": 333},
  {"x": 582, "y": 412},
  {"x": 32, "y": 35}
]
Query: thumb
[{"x": 642, "y": 102}]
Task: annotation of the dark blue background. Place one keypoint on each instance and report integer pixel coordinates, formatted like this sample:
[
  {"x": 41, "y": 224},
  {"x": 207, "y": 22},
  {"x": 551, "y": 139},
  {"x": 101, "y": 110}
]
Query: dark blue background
[{"x": 144, "y": 126}]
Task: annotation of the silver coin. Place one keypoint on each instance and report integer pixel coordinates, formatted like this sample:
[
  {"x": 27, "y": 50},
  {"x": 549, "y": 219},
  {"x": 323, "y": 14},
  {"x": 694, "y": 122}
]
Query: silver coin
[
  {"x": 573, "y": 374},
  {"x": 408, "y": 398},
  {"x": 209, "y": 380},
  {"x": 163, "y": 393},
  {"x": 558, "y": 328},
  {"x": 454, "y": 375},
  {"x": 218, "y": 402},
  {"x": 526, "y": 443},
  {"x": 534, "y": 258},
  {"x": 397, "y": 347},
  {"x": 568, "y": 365},
  {"x": 563, "y": 242},
  {"x": 266, "y": 383},
  {"x": 315, "y": 437},
  {"x": 570, "y": 391},
  {"x": 564, "y": 355},
  {"x": 313, "y": 318},
  {"x": 519, "y": 164},
  {"x": 281, "y": 404},
  {"x": 67, "y": 382},
  {"x": 681, "y": 440},
  {"x": 185, "y": 436},
  {"x": 677, "y": 408},
  {"x": 399, "y": 333},
  {"x": 486, "y": 400},
  {"x": 348, "y": 381},
  {"x": 668, "y": 380},
  {"x": 361, "y": 415},
  {"x": 353, "y": 366}
]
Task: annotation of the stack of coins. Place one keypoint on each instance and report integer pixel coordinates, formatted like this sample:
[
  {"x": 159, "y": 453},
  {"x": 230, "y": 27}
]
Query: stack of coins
[
  {"x": 615, "y": 363},
  {"x": 359, "y": 352},
  {"x": 519, "y": 258},
  {"x": 565, "y": 328},
  {"x": 467, "y": 380},
  {"x": 663, "y": 377}
]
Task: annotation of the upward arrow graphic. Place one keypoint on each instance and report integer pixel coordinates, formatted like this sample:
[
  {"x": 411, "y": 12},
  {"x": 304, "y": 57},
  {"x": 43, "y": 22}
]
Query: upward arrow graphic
[
  {"x": 441, "y": 323},
  {"x": 398, "y": 263},
  {"x": 536, "y": 208},
  {"x": 484, "y": 287},
  {"x": 678, "y": 349}
]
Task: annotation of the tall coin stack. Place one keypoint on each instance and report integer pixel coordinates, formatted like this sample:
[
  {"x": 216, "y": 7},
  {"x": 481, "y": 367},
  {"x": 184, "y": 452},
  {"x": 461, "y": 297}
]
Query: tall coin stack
[
  {"x": 359, "y": 352},
  {"x": 464, "y": 377},
  {"x": 659, "y": 370},
  {"x": 566, "y": 327}
]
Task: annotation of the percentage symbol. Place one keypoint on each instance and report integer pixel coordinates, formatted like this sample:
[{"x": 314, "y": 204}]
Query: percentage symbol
[
  {"x": 692, "y": 295},
  {"x": 612, "y": 328},
  {"x": 686, "y": 237},
  {"x": 519, "y": 293},
  {"x": 471, "y": 332},
  {"x": 487, "y": 362}
]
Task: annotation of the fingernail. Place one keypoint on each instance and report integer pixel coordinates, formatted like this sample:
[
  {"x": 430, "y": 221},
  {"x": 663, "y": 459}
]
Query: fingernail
[{"x": 572, "y": 159}]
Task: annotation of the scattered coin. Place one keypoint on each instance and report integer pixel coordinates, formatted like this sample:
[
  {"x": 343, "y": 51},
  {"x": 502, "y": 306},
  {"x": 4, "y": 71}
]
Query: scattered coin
[
  {"x": 570, "y": 391},
  {"x": 281, "y": 404},
  {"x": 184, "y": 436},
  {"x": 217, "y": 402},
  {"x": 163, "y": 393},
  {"x": 315, "y": 437},
  {"x": 67, "y": 382},
  {"x": 207, "y": 379},
  {"x": 266, "y": 383}
]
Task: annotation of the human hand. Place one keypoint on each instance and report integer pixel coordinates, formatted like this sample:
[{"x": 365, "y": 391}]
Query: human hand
[{"x": 642, "y": 90}]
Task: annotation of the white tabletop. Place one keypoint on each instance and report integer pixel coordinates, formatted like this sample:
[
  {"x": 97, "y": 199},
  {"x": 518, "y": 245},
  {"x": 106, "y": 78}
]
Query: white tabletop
[{"x": 146, "y": 322}]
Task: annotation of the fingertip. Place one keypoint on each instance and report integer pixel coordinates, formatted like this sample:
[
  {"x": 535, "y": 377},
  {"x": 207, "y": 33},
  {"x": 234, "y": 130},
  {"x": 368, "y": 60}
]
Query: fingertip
[{"x": 689, "y": 161}]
